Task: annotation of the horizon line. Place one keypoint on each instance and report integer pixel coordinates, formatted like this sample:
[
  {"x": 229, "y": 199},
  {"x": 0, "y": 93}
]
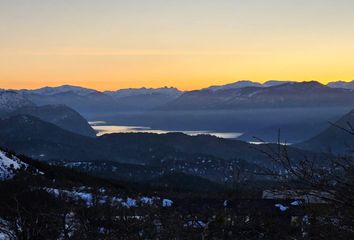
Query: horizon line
[{"x": 170, "y": 87}]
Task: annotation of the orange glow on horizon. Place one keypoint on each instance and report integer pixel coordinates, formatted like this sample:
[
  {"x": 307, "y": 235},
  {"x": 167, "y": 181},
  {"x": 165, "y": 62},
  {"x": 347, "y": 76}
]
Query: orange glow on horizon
[
  {"x": 109, "y": 45},
  {"x": 186, "y": 71}
]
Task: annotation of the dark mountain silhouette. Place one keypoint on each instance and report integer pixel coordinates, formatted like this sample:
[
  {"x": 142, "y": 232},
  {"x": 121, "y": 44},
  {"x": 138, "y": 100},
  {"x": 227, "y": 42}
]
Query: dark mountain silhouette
[
  {"x": 38, "y": 139},
  {"x": 182, "y": 182},
  {"x": 335, "y": 138},
  {"x": 60, "y": 115},
  {"x": 35, "y": 138}
]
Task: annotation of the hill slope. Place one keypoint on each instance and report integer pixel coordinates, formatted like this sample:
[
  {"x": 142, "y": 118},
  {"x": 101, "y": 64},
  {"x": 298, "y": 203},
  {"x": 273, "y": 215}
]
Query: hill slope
[
  {"x": 61, "y": 116},
  {"x": 334, "y": 138},
  {"x": 11, "y": 101},
  {"x": 38, "y": 139}
]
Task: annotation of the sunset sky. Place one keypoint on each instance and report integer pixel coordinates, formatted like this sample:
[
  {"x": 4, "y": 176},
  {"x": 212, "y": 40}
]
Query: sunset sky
[{"x": 113, "y": 44}]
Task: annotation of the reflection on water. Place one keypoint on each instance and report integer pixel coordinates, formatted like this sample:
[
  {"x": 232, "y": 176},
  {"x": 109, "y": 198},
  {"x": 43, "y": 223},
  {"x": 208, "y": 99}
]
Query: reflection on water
[
  {"x": 281, "y": 143},
  {"x": 102, "y": 128}
]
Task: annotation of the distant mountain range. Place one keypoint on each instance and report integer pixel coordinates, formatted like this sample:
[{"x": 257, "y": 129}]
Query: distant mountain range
[
  {"x": 143, "y": 98},
  {"x": 129, "y": 92},
  {"x": 235, "y": 95},
  {"x": 245, "y": 83},
  {"x": 47, "y": 91},
  {"x": 80, "y": 101},
  {"x": 86, "y": 100},
  {"x": 272, "y": 83},
  {"x": 292, "y": 94},
  {"x": 342, "y": 84}
]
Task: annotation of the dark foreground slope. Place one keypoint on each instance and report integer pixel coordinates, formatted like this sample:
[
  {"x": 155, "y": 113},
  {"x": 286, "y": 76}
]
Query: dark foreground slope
[{"x": 46, "y": 202}]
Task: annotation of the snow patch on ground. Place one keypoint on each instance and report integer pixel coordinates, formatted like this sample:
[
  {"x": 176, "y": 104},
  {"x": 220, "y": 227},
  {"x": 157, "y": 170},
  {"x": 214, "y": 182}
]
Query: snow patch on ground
[
  {"x": 167, "y": 203},
  {"x": 9, "y": 165},
  {"x": 281, "y": 207},
  {"x": 127, "y": 202}
]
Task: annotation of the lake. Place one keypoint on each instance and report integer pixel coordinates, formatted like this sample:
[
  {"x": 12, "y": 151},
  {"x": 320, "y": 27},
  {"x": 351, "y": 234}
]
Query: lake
[{"x": 101, "y": 127}]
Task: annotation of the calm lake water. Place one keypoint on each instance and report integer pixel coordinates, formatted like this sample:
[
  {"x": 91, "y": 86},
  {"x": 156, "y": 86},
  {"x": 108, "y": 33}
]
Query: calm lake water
[{"x": 102, "y": 128}]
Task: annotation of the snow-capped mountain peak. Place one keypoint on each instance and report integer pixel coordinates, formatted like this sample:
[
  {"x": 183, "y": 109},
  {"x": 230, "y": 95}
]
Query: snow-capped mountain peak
[
  {"x": 238, "y": 84},
  {"x": 128, "y": 92},
  {"x": 246, "y": 83},
  {"x": 47, "y": 91}
]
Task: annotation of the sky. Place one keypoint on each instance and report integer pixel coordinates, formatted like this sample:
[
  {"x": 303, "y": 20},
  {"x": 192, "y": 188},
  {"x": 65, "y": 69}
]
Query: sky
[{"x": 189, "y": 44}]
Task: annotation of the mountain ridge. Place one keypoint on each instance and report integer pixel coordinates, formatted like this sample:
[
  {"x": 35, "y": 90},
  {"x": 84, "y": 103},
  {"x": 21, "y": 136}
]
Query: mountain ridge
[
  {"x": 292, "y": 94},
  {"x": 237, "y": 84}
]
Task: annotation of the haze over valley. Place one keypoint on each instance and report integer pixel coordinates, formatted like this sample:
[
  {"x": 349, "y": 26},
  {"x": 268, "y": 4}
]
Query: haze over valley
[{"x": 298, "y": 109}]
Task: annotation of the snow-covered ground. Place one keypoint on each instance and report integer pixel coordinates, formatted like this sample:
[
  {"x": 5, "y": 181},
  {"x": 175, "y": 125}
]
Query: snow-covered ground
[
  {"x": 126, "y": 202},
  {"x": 9, "y": 165}
]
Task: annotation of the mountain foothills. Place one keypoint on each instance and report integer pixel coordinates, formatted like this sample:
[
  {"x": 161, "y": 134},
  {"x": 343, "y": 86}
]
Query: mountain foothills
[
  {"x": 138, "y": 157},
  {"x": 195, "y": 155},
  {"x": 59, "y": 115}
]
